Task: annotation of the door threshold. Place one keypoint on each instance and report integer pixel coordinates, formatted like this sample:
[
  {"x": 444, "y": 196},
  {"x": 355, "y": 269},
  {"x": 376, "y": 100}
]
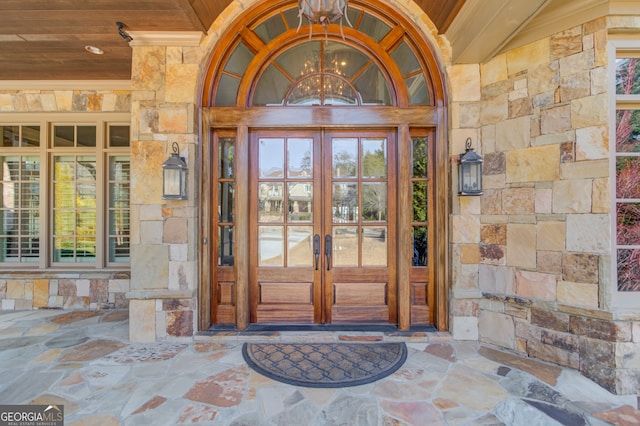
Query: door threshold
[{"x": 274, "y": 328}]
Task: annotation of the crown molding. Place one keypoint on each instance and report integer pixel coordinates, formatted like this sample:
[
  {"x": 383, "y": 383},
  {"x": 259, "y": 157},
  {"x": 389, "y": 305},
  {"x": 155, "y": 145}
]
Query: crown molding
[
  {"x": 43, "y": 85},
  {"x": 165, "y": 38}
]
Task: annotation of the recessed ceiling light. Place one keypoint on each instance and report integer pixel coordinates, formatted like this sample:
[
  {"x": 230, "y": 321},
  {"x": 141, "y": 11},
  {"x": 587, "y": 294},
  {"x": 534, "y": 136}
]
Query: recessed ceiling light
[{"x": 94, "y": 50}]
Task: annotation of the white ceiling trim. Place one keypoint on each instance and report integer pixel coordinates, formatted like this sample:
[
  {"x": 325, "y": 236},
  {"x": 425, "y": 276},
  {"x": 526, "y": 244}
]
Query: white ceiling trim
[{"x": 482, "y": 28}]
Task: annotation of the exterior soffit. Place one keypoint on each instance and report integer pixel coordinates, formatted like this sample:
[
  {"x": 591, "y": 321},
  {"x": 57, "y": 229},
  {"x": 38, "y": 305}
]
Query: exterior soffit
[{"x": 485, "y": 29}]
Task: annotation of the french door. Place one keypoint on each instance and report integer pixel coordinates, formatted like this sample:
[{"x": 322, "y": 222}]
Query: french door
[{"x": 322, "y": 227}]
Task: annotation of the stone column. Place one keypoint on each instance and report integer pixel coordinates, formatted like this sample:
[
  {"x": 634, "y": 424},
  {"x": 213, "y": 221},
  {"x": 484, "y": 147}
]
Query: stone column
[{"x": 163, "y": 235}]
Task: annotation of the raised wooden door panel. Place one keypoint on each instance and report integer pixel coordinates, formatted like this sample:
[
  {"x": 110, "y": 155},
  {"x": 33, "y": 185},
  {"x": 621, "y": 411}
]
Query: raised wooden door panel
[{"x": 284, "y": 220}]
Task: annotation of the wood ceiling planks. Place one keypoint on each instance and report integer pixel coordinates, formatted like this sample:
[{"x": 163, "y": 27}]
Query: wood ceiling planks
[{"x": 45, "y": 39}]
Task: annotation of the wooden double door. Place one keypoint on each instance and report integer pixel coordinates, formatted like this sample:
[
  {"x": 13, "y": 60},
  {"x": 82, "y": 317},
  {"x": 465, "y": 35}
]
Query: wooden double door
[{"x": 322, "y": 237}]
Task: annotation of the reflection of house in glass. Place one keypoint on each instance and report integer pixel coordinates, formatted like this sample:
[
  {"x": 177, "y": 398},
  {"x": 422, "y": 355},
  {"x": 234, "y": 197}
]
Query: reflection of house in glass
[{"x": 300, "y": 202}]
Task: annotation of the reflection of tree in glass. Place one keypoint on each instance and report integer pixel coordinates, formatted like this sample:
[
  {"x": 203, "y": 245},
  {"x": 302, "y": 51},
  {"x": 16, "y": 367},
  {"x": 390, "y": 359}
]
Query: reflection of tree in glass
[
  {"x": 628, "y": 176},
  {"x": 628, "y": 270},
  {"x": 420, "y": 247},
  {"x": 420, "y": 157},
  {"x": 344, "y": 164},
  {"x": 305, "y": 166},
  {"x": 226, "y": 158},
  {"x": 627, "y": 83},
  {"x": 628, "y": 232},
  {"x": 345, "y": 202},
  {"x": 374, "y": 162},
  {"x": 374, "y": 201}
]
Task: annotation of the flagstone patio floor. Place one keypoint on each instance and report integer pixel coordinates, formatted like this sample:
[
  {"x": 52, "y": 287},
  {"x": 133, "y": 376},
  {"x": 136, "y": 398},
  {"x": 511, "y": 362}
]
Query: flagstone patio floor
[{"x": 84, "y": 361}]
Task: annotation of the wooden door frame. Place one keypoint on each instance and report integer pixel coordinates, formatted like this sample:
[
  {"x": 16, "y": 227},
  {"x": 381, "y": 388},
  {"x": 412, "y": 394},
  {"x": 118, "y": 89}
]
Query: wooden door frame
[{"x": 401, "y": 120}]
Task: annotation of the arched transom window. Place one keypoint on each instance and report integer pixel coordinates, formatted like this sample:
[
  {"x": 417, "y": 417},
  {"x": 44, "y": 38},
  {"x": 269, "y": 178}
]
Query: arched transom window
[{"x": 273, "y": 63}]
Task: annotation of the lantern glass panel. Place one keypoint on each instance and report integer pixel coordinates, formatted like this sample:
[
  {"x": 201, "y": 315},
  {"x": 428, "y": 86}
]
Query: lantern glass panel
[{"x": 172, "y": 182}]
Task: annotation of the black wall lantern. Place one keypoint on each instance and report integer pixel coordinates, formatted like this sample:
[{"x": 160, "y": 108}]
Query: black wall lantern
[
  {"x": 470, "y": 172},
  {"x": 174, "y": 176}
]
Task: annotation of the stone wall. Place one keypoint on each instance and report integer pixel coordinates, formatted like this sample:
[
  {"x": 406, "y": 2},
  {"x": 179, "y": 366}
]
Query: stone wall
[
  {"x": 163, "y": 252},
  {"x": 65, "y": 100},
  {"x": 64, "y": 291},
  {"x": 531, "y": 257},
  {"x": 86, "y": 290}
]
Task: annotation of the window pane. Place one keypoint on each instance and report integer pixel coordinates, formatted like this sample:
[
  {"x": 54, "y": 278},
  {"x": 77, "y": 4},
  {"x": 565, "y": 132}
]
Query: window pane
[
  {"x": 20, "y": 136},
  {"x": 628, "y": 230},
  {"x": 225, "y": 153},
  {"x": 271, "y": 88},
  {"x": 74, "y": 204},
  {"x": 628, "y": 270},
  {"x": 239, "y": 60},
  {"x": 271, "y": 156},
  {"x": 374, "y": 246},
  {"x": 300, "y": 199},
  {"x": 374, "y": 158},
  {"x": 345, "y": 246},
  {"x": 271, "y": 28},
  {"x": 345, "y": 202},
  {"x": 628, "y": 177},
  {"x": 307, "y": 92},
  {"x": 299, "y": 158},
  {"x": 119, "y": 216},
  {"x": 420, "y": 239},
  {"x": 119, "y": 136},
  {"x": 270, "y": 246},
  {"x": 86, "y": 136},
  {"x": 420, "y": 157},
  {"x": 405, "y": 59},
  {"x": 419, "y": 201},
  {"x": 345, "y": 157},
  {"x": 628, "y": 76},
  {"x": 628, "y": 130},
  {"x": 300, "y": 246},
  {"x": 10, "y": 136},
  {"x": 418, "y": 92},
  {"x": 373, "y": 87},
  {"x": 337, "y": 91},
  {"x": 374, "y": 202},
  {"x": 225, "y": 245},
  {"x": 63, "y": 136},
  {"x": 270, "y": 202},
  {"x": 19, "y": 209},
  {"x": 373, "y": 27},
  {"x": 225, "y": 201},
  {"x": 227, "y": 91}
]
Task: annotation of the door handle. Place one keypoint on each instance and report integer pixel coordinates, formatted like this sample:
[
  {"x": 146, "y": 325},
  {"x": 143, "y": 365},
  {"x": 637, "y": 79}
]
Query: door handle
[
  {"x": 328, "y": 248},
  {"x": 316, "y": 249}
]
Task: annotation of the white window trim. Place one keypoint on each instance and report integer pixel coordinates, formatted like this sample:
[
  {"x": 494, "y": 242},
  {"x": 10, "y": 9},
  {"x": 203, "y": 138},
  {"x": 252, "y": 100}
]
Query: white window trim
[
  {"x": 620, "y": 300},
  {"x": 46, "y": 152}
]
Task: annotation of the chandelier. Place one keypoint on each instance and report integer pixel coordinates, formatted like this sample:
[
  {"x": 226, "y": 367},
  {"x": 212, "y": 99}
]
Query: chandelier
[{"x": 323, "y": 12}]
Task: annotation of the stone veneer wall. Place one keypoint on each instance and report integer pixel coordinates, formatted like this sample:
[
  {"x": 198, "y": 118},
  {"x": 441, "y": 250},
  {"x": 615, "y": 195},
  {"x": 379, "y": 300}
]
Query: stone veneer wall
[
  {"x": 531, "y": 257},
  {"x": 163, "y": 245},
  {"x": 82, "y": 290}
]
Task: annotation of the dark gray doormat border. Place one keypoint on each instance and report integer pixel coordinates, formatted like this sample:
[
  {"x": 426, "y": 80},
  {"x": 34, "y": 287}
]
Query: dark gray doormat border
[{"x": 325, "y": 365}]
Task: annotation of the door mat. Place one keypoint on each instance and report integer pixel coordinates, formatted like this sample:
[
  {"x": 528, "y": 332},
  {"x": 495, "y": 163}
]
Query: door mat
[{"x": 325, "y": 365}]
